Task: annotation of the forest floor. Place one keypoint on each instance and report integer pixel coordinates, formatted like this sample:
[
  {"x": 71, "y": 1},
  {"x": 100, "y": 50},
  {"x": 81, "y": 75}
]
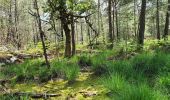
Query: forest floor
[
  {"x": 84, "y": 88},
  {"x": 118, "y": 74}
]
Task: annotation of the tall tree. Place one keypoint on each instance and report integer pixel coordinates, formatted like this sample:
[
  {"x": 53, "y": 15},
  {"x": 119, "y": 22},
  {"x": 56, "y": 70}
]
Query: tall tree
[
  {"x": 41, "y": 32},
  {"x": 110, "y": 34},
  {"x": 113, "y": 18},
  {"x": 166, "y": 30},
  {"x": 73, "y": 29},
  {"x": 157, "y": 21},
  {"x": 142, "y": 23},
  {"x": 135, "y": 28}
]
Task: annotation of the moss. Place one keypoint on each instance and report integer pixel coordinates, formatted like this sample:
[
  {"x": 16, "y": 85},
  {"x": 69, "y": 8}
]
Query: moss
[{"x": 84, "y": 83}]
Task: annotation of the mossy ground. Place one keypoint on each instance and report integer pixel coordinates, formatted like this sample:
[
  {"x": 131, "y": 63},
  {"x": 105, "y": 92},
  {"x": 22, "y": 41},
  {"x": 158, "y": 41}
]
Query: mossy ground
[{"x": 85, "y": 87}]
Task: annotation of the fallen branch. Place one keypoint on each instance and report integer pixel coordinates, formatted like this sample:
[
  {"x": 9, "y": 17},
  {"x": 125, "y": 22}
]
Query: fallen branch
[{"x": 36, "y": 95}]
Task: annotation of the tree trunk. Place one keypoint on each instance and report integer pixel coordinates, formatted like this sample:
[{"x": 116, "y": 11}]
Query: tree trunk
[
  {"x": 113, "y": 18},
  {"x": 135, "y": 28},
  {"x": 67, "y": 31},
  {"x": 117, "y": 24},
  {"x": 68, "y": 41},
  {"x": 166, "y": 30},
  {"x": 73, "y": 30},
  {"x": 142, "y": 23},
  {"x": 41, "y": 32},
  {"x": 157, "y": 21},
  {"x": 82, "y": 37},
  {"x": 73, "y": 36},
  {"x": 110, "y": 35}
]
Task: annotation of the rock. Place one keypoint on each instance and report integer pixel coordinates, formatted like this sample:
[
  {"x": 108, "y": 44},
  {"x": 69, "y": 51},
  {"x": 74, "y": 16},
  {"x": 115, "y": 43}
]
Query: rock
[{"x": 13, "y": 59}]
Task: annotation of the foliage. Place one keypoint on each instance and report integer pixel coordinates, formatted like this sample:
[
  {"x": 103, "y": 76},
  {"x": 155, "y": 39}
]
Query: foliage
[
  {"x": 35, "y": 70},
  {"x": 84, "y": 61}
]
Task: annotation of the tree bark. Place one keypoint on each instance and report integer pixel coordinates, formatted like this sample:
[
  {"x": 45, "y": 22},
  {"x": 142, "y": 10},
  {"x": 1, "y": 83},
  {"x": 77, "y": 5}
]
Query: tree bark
[
  {"x": 113, "y": 18},
  {"x": 142, "y": 23},
  {"x": 166, "y": 30},
  {"x": 110, "y": 34},
  {"x": 82, "y": 37},
  {"x": 157, "y": 22},
  {"x": 73, "y": 30},
  {"x": 73, "y": 36},
  {"x": 135, "y": 28}
]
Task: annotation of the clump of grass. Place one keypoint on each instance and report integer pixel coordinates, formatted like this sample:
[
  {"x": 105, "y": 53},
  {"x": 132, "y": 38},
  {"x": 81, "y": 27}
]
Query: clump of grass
[
  {"x": 121, "y": 89},
  {"x": 141, "y": 92},
  {"x": 65, "y": 69},
  {"x": 36, "y": 70},
  {"x": 149, "y": 64},
  {"x": 100, "y": 64},
  {"x": 123, "y": 67},
  {"x": 163, "y": 83},
  {"x": 115, "y": 83},
  {"x": 84, "y": 61},
  {"x": 13, "y": 97},
  {"x": 71, "y": 72},
  {"x": 24, "y": 71}
]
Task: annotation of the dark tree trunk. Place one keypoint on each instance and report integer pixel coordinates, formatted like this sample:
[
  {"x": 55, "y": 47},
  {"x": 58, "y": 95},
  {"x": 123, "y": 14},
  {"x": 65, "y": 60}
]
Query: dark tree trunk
[
  {"x": 73, "y": 30},
  {"x": 110, "y": 35},
  {"x": 82, "y": 37},
  {"x": 67, "y": 31},
  {"x": 166, "y": 30},
  {"x": 142, "y": 23},
  {"x": 157, "y": 22},
  {"x": 73, "y": 36},
  {"x": 68, "y": 40},
  {"x": 41, "y": 33}
]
